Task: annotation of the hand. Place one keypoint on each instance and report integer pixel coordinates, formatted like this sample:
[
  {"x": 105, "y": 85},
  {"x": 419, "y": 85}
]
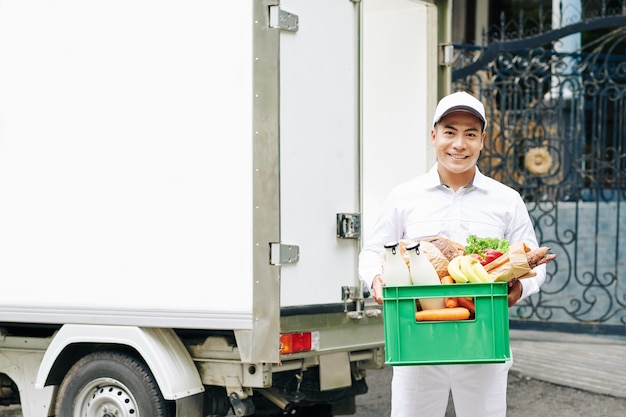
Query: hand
[
  {"x": 377, "y": 288},
  {"x": 515, "y": 292}
]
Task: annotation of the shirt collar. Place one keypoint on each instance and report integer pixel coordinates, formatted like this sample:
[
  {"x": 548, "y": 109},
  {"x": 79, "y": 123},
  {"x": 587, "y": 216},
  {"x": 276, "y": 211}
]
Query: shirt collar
[
  {"x": 433, "y": 180},
  {"x": 480, "y": 181}
]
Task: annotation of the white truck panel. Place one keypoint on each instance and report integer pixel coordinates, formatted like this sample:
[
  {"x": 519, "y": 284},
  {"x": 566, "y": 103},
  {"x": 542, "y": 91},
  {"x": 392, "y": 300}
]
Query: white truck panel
[
  {"x": 157, "y": 156},
  {"x": 399, "y": 97},
  {"x": 319, "y": 148},
  {"x": 21, "y": 366},
  {"x": 111, "y": 178}
]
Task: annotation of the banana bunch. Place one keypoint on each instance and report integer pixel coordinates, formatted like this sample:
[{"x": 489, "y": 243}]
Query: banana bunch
[{"x": 467, "y": 269}]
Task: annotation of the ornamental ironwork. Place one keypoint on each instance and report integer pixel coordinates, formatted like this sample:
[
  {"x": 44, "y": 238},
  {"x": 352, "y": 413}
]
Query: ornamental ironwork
[{"x": 558, "y": 135}]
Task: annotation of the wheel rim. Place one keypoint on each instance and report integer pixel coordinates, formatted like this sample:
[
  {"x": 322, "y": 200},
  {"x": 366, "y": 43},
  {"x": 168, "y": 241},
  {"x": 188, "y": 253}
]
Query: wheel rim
[{"x": 106, "y": 397}]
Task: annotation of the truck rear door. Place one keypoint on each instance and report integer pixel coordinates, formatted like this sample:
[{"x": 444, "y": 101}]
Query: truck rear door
[
  {"x": 319, "y": 148},
  {"x": 358, "y": 87}
]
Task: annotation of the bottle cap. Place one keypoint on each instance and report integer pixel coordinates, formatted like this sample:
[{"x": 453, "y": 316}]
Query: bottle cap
[{"x": 414, "y": 245}]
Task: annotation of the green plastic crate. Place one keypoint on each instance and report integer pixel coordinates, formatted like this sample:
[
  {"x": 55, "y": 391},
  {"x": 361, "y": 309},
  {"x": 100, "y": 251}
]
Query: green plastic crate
[{"x": 483, "y": 339}]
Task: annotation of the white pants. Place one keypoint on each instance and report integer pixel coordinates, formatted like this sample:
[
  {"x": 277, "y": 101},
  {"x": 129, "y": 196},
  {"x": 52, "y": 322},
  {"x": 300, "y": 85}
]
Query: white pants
[{"x": 423, "y": 391}]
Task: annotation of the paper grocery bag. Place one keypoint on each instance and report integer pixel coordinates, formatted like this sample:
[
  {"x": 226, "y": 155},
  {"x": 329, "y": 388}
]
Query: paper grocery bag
[{"x": 512, "y": 265}]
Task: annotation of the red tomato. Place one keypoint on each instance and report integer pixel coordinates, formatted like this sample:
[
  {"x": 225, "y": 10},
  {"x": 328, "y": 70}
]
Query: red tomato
[{"x": 491, "y": 255}]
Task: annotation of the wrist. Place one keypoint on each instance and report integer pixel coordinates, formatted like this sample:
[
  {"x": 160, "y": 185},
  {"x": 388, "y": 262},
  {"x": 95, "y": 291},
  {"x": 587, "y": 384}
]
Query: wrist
[{"x": 377, "y": 278}]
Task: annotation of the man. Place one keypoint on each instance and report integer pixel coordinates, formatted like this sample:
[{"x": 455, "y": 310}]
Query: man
[{"x": 454, "y": 199}]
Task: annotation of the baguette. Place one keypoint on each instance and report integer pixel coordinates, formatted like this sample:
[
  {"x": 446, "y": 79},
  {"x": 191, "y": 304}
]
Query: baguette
[
  {"x": 534, "y": 257},
  {"x": 518, "y": 262},
  {"x": 544, "y": 259}
]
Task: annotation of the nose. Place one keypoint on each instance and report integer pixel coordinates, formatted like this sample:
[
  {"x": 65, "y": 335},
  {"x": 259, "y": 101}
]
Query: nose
[{"x": 458, "y": 141}]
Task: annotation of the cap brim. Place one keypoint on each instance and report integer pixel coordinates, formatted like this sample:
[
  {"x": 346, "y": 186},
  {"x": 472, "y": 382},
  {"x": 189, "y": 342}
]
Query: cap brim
[{"x": 466, "y": 109}]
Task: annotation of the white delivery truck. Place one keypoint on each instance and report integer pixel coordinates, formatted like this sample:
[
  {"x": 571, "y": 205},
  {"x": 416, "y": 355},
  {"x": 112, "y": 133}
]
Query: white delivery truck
[{"x": 183, "y": 188}]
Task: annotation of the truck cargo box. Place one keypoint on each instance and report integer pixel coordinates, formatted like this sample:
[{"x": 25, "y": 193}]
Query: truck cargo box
[{"x": 192, "y": 179}]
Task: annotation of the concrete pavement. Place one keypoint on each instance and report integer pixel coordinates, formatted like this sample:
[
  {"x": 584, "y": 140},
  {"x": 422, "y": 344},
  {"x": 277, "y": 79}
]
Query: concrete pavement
[{"x": 586, "y": 362}]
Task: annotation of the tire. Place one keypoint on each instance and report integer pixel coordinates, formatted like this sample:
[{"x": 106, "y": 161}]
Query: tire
[{"x": 109, "y": 384}]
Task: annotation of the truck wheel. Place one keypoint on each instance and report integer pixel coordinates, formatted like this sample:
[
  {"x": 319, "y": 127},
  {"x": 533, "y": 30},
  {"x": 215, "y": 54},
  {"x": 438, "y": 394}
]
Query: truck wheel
[{"x": 109, "y": 384}]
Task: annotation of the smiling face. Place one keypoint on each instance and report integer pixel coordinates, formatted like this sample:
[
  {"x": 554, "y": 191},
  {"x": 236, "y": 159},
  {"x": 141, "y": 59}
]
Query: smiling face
[{"x": 458, "y": 139}]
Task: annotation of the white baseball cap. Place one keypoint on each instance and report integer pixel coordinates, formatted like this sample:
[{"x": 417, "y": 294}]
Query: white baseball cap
[{"x": 460, "y": 101}]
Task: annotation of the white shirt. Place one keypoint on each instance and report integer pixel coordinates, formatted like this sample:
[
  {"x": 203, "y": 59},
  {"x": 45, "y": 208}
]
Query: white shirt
[{"x": 424, "y": 207}]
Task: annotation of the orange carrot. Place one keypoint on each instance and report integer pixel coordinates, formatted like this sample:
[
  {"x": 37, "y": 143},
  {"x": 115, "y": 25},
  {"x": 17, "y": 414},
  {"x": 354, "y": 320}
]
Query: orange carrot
[
  {"x": 450, "y": 302},
  {"x": 468, "y": 304},
  {"x": 441, "y": 314},
  {"x": 448, "y": 280}
]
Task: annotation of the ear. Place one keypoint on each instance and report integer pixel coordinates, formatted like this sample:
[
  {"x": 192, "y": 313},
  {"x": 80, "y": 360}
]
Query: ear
[
  {"x": 482, "y": 140},
  {"x": 433, "y": 135}
]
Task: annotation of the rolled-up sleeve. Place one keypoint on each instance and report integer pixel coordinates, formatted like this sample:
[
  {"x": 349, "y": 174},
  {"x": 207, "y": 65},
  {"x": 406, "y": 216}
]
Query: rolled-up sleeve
[
  {"x": 522, "y": 230},
  {"x": 387, "y": 229}
]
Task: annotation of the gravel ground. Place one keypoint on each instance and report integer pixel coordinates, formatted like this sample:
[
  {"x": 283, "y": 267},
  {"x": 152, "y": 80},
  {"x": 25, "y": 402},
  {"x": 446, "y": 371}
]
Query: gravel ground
[
  {"x": 531, "y": 397},
  {"x": 10, "y": 411}
]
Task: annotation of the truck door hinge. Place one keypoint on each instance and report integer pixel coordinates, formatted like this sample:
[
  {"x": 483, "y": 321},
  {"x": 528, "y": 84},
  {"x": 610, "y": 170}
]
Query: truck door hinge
[
  {"x": 283, "y": 20},
  {"x": 281, "y": 253},
  {"x": 348, "y": 225},
  {"x": 447, "y": 56}
]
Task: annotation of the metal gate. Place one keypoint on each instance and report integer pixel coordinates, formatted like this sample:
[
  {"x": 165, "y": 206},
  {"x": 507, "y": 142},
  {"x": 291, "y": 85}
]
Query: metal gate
[{"x": 558, "y": 135}]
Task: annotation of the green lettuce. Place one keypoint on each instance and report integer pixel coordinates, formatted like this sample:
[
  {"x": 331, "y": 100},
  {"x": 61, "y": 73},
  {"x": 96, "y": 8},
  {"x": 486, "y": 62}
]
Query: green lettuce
[{"x": 478, "y": 245}]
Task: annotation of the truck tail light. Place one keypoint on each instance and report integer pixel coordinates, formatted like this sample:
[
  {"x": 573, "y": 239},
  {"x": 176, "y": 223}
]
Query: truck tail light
[{"x": 298, "y": 342}]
